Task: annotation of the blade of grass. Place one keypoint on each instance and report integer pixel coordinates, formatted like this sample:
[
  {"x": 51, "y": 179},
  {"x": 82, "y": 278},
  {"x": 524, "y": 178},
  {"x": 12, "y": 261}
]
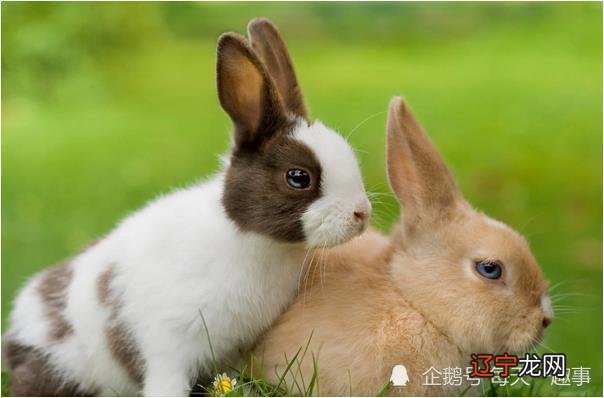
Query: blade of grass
[
  {"x": 465, "y": 391},
  {"x": 205, "y": 326},
  {"x": 287, "y": 368},
  {"x": 385, "y": 388},
  {"x": 314, "y": 377},
  {"x": 349, "y": 383}
]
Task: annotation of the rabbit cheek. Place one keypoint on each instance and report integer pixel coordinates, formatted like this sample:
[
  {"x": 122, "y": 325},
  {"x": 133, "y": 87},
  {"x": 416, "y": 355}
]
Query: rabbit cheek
[
  {"x": 521, "y": 327},
  {"x": 343, "y": 211},
  {"x": 330, "y": 222},
  {"x": 257, "y": 196}
]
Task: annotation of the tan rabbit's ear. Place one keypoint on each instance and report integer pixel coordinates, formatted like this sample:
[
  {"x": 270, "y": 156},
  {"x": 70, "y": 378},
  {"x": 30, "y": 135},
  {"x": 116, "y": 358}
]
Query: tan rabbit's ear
[
  {"x": 247, "y": 93},
  {"x": 417, "y": 173},
  {"x": 270, "y": 47}
]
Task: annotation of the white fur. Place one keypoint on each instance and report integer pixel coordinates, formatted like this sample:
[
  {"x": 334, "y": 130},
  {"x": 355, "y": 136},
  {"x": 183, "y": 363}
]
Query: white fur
[
  {"x": 180, "y": 257},
  {"x": 546, "y": 303},
  {"x": 495, "y": 223},
  {"x": 341, "y": 186}
]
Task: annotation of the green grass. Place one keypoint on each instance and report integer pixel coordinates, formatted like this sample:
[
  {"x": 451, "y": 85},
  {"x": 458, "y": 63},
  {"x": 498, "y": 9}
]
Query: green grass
[
  {"x": 106, "y": 106},
  {"x": 290, "y": 381},
  {"x": 4, "y": 391}
]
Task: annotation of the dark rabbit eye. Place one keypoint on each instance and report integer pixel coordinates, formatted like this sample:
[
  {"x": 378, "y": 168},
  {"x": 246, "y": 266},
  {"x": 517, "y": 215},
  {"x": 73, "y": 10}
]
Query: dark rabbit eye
[
  {"x": 489, "y": 269},
  {"x": 298, "y": 179}
]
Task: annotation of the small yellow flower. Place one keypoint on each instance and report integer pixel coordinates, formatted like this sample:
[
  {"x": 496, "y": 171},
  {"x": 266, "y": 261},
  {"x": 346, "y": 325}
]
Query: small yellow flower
[{"x": 223, "y": 384}]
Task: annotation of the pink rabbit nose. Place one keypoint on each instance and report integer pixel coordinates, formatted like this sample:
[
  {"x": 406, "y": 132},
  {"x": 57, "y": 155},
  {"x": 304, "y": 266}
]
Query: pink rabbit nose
[{"x": 546, "y": 321}]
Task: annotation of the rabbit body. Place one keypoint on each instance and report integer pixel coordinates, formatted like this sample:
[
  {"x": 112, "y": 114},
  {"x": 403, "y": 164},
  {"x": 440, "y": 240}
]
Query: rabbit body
[
  {"x": 356, "y": 324},
  {"x": 448, "y": 282},
  {"x": 167, "y": 264}
]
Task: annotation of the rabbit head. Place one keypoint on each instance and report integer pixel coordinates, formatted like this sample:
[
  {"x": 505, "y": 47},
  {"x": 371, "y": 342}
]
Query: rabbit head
[
  {"x": 473, "y": 277},
  {"x": 287, "y": 177}
]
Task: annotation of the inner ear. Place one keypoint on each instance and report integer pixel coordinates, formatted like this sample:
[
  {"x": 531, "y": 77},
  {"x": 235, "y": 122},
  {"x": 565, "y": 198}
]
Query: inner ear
[
  {"x": 242, "y": 96},
  {"x": 247, "y": 93}
]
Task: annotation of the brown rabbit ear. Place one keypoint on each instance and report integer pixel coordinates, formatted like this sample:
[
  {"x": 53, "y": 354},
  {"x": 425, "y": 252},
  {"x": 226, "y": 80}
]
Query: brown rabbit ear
[
  {"x": 270, "y": 47},
  {"x": 416, "y": 171},
  {"x": 247, "y": 93}
]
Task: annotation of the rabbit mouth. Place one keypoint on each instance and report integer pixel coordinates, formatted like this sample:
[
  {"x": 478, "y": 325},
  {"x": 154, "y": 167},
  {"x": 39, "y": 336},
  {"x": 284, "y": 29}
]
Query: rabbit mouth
[
  {"x": 333, "y": 229},
  {"x": 325, "y": 238},
  {"x": 538, "y": 339},
  {"x": 526, "y": 342}
]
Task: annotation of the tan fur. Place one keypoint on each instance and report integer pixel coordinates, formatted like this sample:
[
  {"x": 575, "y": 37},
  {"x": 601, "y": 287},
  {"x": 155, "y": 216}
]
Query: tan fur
[
  {"x": 241, "y": 86},
  {"x": 413, "y": 298}
]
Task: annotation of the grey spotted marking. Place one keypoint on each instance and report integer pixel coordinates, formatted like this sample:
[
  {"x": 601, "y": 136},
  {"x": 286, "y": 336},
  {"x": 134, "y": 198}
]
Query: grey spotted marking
[
  {"x": 32, "y": 374},
  {"x": 103, "y": 285},
  {"x": 125, "y": 350},
  {"x": 120, "y": 341},
  {"x": 53, "y": 291}
]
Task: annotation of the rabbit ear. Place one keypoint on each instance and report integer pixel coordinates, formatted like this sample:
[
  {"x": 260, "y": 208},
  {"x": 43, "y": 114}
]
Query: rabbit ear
[
  {"x": 247, "y": 93},
  {"x": 417, "y": 173},
  {"x": 270, "y": 47}
]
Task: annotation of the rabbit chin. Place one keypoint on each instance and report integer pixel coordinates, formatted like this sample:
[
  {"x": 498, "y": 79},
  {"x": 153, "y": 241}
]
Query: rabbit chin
[
  {"x": 328, "y": 234},
  {"x": 330, "y": 228},
  {"x": 524, "y": 340}
]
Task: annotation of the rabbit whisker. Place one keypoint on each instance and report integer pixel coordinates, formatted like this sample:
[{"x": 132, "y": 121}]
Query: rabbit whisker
[{"x": 363, "y": 122}]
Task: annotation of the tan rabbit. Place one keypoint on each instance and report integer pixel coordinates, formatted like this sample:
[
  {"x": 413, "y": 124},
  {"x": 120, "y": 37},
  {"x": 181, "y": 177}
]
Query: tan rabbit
[{"x": 448, "y": 282}]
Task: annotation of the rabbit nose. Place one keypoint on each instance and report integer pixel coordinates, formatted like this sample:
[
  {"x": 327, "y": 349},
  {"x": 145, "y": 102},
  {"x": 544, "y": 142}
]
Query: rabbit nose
[
  {"x": 360, "y": 215},
  {"x": 362, "y": 211},
  {"x": 548, "y": 311}
]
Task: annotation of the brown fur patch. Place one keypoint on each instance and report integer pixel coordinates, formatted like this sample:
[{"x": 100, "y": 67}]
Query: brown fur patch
[
  {"x": 32, "y": 374},
  {"x": 53, "y": 291},
  {"x": 103, "y": 285},
  {"x": 125, "y": 350},
  {"x": 120, "y": 341},
  {"x": 257, "y": 196}
]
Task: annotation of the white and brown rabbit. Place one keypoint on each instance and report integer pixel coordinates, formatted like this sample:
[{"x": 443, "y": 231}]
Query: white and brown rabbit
[
  {"x": 125, "y": 316},
  {"x": 448, "y": 282}
]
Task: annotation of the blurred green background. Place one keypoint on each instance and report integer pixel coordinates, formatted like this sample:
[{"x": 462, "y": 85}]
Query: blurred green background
[{"x": 105, "y": 106}]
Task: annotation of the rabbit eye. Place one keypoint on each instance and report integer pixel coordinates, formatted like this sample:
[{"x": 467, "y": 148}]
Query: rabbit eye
[
  {"x": 488, "y": 269},
  {"x": 297, "y": 178}
]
